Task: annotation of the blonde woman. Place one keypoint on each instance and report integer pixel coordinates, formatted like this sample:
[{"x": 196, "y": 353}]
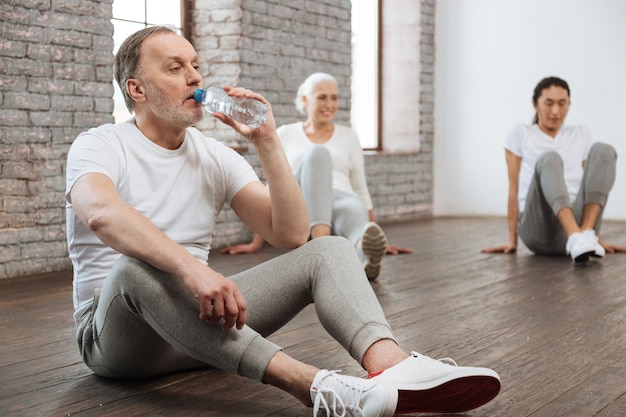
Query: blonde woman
[{"x": 327, "y": 159}]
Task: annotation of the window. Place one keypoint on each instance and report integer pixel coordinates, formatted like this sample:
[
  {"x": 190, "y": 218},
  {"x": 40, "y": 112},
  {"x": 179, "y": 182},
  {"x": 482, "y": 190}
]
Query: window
[
  {"x": 364, "y": 115},
  {"x": 130, "y": 16}
]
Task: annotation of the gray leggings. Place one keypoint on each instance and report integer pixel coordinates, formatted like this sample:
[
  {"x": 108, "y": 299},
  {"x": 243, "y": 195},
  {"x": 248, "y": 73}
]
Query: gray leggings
[
  {"x": 344, "y": 213},
  {"x": 539, "y": 227},
  {"x": 144, "y": 322}
]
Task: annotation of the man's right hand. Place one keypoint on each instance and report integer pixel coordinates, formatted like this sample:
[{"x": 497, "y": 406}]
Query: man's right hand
[{"x": 219, "y": 297}]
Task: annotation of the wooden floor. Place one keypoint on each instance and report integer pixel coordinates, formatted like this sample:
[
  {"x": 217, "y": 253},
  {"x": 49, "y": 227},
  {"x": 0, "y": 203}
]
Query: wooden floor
[{"x": 555, "y": 333}]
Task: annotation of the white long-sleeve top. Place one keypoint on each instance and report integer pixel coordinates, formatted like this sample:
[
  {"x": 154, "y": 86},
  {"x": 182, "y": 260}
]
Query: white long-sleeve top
[{"x": 345, "y": 150}]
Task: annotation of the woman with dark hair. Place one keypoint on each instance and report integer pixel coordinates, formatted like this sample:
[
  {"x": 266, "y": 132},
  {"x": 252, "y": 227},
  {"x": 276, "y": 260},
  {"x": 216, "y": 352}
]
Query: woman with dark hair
[{"x": 559, "y": 181}]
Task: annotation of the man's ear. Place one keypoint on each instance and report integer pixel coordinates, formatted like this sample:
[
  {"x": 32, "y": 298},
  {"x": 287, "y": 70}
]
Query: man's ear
[{"x": 135, "y": 90}]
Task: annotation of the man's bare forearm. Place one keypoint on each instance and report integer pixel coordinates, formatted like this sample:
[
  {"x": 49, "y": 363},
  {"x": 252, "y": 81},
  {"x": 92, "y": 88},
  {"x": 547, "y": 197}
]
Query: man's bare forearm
[{"x": 289, "y": 215}]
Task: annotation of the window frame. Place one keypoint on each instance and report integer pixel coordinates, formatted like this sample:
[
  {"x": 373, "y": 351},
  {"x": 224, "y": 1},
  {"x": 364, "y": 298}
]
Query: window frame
[
  {"x": 378, "y": 142},
  {"x": 183, "y": 27}
]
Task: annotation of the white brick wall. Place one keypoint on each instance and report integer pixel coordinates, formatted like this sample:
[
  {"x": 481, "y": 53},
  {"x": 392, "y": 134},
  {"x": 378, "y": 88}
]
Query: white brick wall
[
  {"x": 285, "y": 41},
  {"x": 55, "y": 82}
]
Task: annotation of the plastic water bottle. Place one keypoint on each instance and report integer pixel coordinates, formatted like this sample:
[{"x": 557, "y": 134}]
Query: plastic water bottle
[{"x": 248, "y": 111}]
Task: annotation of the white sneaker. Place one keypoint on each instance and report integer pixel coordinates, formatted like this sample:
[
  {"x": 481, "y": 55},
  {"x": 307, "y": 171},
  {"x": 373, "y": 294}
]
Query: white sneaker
[
  {"x": 349, "y": 396},
  {"x": 599, "y": 251},
  {"x": 427, "y": 385},
  {"x": 374, "y": 247},
  {"x": 580, "y": 246}
]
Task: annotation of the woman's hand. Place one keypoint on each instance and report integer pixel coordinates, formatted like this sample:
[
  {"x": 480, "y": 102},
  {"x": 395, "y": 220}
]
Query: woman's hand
[
  {"x": 610, "y": 248},
  {"x": 506, "y": 248},
  {"x": 240, "y": 249},
  {"x": 396, "y": 250},
  {"x": 253, "y": 247}
]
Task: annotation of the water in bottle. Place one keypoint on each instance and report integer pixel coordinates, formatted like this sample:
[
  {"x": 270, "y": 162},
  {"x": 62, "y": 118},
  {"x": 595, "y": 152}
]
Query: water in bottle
[{"x": 248, "y": 111}]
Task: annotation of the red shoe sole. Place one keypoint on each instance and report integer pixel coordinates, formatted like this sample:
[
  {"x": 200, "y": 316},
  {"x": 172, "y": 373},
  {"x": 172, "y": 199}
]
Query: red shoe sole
[{"x": 455, "y": 396}]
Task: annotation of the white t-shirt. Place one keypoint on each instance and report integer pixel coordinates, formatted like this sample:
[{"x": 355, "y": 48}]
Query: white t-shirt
[
  {"x": 345, "y": 150},
  {"x": 529, "y": 142},
  {"x": 181, "y": 191}
]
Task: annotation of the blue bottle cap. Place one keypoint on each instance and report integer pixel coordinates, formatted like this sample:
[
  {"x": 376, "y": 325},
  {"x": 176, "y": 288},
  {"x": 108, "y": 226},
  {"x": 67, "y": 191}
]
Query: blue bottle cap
[{"x": 199, "y": 95}]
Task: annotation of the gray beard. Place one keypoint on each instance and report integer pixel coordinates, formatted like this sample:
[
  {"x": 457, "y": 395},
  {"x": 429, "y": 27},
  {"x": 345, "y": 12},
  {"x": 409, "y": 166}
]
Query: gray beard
[{"x": 170, "y": 111}]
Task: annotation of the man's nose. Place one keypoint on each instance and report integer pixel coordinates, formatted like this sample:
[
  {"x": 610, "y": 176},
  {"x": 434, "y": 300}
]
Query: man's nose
[{"x": 194, "y": 77}]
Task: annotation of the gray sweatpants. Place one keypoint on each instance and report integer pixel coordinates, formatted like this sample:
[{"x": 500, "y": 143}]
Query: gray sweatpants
[
  {"x": 144, "y": 322},
  {"x": 344, "y": 213},
  {"x": 539, "y": 227}
]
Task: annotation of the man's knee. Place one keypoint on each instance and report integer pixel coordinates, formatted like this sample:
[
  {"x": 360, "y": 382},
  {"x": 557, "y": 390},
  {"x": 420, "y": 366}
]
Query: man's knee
[
  {"x": 333, "y": 245},
  {"x": 133, "y": 274},
  {"x": 128, "y": 266}
]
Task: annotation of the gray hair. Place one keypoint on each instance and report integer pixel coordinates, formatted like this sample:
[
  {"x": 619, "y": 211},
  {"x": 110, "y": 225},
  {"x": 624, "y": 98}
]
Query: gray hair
[
  {"x": 127, "y": 58},
  {"x": 307, "y": 87}
]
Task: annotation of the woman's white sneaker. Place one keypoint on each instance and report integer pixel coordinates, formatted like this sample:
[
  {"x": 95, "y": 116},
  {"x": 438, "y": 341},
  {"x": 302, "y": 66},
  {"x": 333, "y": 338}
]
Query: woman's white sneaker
[
  {"x": 599, "y": 249},
  {"x": 374, "y": 246},
  {"x": 580, "y": 246}
]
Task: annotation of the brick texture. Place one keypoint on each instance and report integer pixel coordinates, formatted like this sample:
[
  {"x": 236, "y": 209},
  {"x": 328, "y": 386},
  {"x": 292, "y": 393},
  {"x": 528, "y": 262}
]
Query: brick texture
[
  {"x": 55, "y": 73},
  {"x": 56, "y": 81}
]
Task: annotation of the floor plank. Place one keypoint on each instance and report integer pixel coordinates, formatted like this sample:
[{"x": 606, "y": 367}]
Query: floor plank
[{"x": 555, "y": 333}]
